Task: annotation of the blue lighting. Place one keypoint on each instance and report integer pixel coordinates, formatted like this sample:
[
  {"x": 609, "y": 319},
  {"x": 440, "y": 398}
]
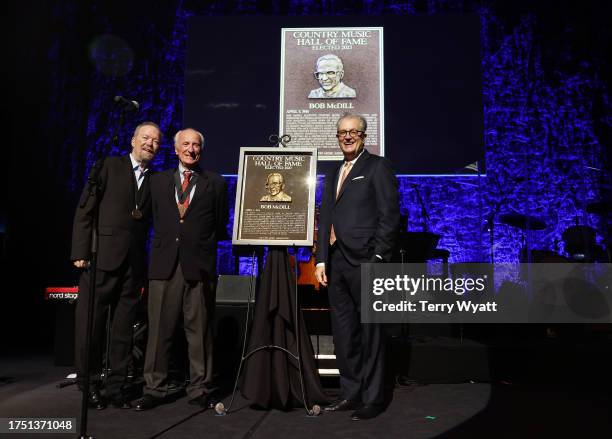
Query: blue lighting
[{"x": 543, "y": 156}]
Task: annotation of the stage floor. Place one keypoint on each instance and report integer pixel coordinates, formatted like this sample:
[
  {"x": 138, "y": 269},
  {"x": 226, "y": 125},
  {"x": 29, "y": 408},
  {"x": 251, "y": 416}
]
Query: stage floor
[{"x": 460, "y": 410}]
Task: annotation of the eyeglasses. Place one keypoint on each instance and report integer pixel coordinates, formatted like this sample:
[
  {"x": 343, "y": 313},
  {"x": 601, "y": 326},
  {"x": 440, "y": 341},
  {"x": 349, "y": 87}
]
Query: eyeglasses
[
  {"x": 146, "y": 139},
  {"x": 330, "y": 74},
  {"x": 354, "y": 133}
]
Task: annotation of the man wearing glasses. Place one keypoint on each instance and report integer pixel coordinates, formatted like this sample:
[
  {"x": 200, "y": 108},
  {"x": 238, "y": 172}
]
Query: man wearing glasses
[
  {"x": 359, "y": 223},
  {"x": 329, "y": 71}
]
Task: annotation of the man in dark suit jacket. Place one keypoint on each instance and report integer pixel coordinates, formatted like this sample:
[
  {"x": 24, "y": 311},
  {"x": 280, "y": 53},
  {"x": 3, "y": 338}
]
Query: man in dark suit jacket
[
  {"x": 189, "y": 217},
  {"x": 358, "y": 223},
  {"x": 123, "y": 222}
]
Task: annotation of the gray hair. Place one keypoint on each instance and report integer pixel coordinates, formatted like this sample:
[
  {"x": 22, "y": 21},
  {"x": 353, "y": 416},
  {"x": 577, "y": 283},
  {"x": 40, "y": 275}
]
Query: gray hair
[
  {"x": 275, "y": 174},
  {"x": 176, "y": 136},
  {"x": 148, "y": 123},
  {"x": 330, "y": 57},
  {"x": 363, "y": 124}
]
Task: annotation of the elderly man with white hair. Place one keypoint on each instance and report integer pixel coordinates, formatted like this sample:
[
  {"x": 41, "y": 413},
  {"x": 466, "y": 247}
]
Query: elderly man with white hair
[{"x": 189, "y": 207}]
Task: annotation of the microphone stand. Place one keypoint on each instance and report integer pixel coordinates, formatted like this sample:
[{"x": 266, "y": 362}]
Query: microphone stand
[
  {"x": 93, "y": 187},
  {"x": 424, "y": 213},
  {"x": 489, "y": 225}
]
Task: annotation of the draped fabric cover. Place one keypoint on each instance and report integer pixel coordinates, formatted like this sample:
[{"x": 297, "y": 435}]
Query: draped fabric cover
[{"x": 271, "y": 378}]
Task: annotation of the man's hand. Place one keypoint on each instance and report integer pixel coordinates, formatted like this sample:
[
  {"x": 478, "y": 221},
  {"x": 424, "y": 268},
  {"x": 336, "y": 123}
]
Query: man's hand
[
  {"x": 320, "y": 275},
  {"x": 81, "y": 263}
]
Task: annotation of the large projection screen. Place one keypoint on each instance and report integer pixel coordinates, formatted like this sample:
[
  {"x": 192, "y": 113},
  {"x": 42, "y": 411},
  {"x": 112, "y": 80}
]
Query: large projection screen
[{"x": 433, "y": 115}]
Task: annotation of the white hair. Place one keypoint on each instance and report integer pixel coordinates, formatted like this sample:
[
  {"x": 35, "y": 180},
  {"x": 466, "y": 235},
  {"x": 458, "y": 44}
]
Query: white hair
[
  {"x": 176, "y": 136},
  {"x": 363, "y": 124},
  {"x": 330, "y": 57}
]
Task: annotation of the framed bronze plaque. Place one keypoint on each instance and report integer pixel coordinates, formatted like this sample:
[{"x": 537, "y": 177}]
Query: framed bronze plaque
[{"x": 275, "y": 197}]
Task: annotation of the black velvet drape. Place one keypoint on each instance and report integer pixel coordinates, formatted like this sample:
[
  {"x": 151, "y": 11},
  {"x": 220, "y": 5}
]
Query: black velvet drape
[{"x": 271, "y": 378}]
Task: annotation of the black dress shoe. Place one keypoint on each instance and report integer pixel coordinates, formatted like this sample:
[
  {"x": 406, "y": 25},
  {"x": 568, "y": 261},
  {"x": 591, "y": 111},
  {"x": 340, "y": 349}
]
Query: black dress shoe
[
  {"x": 342, "y": 405},
  {"x": 95, "y": 400},
  {"x": 201, "y": 401},
  {"x": 120, "y": 401},
  {"x": 212, "y": 400},
  {"x": 366, "y": 412},
  {"x": 147, "y": 402}
]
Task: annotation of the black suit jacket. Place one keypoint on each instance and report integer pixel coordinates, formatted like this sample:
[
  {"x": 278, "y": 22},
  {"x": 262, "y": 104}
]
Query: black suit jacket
[
  {"x": 193, "y": 239},
  {"x": 119, "y": 235},
  {"x": 366, "y": 213}
]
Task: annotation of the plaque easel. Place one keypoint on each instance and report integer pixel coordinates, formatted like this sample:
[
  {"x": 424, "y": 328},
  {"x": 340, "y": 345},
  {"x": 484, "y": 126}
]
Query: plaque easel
[{"x": 279, "y": 141}]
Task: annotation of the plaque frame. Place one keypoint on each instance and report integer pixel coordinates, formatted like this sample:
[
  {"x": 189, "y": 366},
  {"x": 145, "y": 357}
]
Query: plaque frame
[
  {"x": 249, "y": 187},
  {"x": 363, "y": 70}
]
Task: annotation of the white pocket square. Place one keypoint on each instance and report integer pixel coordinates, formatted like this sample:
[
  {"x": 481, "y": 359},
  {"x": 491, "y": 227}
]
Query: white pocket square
[{"x": 358, "y": 178}]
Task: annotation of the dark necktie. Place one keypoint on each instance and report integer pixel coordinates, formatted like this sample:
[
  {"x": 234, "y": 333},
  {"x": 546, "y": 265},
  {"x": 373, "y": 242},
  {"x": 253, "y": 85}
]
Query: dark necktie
[
  {"x": 185, "y": 204},
  {"x": 139, "y": 175}
]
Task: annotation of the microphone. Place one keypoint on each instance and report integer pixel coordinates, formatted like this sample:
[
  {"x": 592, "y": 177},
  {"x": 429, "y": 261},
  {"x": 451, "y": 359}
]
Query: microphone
[{"x": 129, "y": 105}]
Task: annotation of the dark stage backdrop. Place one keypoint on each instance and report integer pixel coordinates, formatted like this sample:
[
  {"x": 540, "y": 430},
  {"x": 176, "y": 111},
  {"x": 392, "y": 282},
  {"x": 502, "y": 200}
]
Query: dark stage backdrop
[
  {"x": 546, "y": 100},
  {"x": 432, "y": 78}
]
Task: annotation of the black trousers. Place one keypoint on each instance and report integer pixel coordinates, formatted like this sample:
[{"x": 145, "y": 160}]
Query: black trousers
[
  {"x": 121, "y": 290},
  {"x": 360, "y": 347}
]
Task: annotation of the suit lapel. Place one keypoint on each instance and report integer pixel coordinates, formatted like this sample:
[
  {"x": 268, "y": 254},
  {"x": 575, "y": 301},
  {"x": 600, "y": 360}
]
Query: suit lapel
[
  {"x": 172, "y": 190},
  {"x": 132, "y": 176},
  {"x": 354, "y": 172},
  {"x": 336, "y": 178},
  {"x": 200, "y": 188},
  {"x": 143, "y": 194}
]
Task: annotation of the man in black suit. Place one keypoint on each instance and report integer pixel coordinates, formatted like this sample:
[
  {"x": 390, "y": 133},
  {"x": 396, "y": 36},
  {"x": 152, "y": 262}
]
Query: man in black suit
[
  {"x": 189, "y": 218},
  {"x": 358, "y": 223},
  {"x": 123, "y": 222}
]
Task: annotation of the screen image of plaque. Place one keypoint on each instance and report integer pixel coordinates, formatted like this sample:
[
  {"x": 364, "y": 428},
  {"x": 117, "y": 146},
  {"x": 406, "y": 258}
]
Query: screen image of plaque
[
  {"x": 326, "y": 72},
  {"x": 432, "y": 124},
  {"x": 275, "y": 196}
]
